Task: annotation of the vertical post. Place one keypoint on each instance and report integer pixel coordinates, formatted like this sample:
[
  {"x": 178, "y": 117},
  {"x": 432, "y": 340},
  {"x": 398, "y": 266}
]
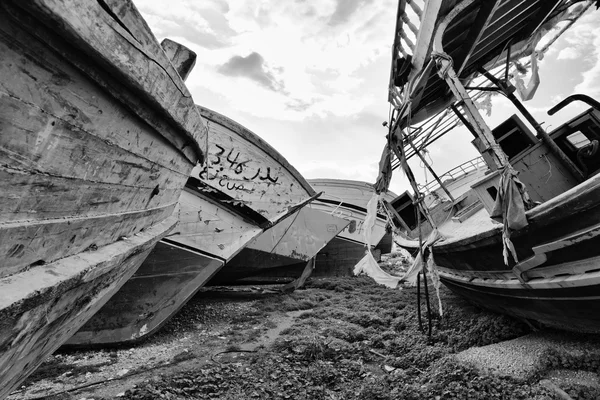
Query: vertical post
[{"x": 447, "y": 73}]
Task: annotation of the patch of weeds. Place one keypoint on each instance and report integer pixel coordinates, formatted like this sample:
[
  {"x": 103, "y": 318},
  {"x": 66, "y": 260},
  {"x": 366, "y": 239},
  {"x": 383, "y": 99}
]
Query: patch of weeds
[
  {"x": 581, "y": 392},
  {"x": 375, "y": 389},
  {"x": 292, "y": 330},
  {"x": 182, "y": 356},
  {"x": 270, "y": 324},
  {"x": 366, "y": 319},
  {"x": 323, "y": 373}
]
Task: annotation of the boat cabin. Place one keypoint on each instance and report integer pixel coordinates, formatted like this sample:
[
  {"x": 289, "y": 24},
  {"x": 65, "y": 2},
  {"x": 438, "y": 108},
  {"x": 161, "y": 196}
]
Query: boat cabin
[
  {"x": 539, "y": 169},
  {"x": 543, "y": 173}
]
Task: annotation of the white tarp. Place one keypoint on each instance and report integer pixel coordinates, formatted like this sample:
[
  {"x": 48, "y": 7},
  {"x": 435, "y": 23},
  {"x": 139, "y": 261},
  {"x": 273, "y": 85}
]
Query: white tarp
[{"x": 367, "y": 264}]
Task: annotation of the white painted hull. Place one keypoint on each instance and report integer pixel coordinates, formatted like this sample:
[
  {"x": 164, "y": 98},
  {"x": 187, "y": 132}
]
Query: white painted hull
[{"x": 246, "y": 168}]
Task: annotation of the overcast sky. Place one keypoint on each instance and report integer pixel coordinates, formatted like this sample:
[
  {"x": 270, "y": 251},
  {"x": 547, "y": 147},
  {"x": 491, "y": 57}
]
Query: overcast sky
[{"x": 310, "y": 77}]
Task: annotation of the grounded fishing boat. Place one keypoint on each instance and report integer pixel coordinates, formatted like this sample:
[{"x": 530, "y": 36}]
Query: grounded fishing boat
[
  {"x": 98, "y": 137},
  {"x": 541, "y": 263},
  {"x": 348, "y": 199},
  {"x": 265, "y": 181},
  {"x": 246, "y": 188}
]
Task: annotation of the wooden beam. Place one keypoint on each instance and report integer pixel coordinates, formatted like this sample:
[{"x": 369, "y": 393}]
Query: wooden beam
[
  {"x": 182, "y": 58},
  {"x": 298, "y": 283},
  {"x": 447, "y": 73}
]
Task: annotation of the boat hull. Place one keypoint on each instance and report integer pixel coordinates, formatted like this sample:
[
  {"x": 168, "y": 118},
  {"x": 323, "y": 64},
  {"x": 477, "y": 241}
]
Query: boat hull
[
  {"x": 296, "y": 239},
  {"x": 572, "y": 309},
  {"x": 207, "y": 235},
  {"x": 249, "y": 170},
  {"x": 92, "y": 163},
  {"x": 42, "y": 307},
  {"x": 169, "y": 277},
  {"x": 556, "y": 285}
]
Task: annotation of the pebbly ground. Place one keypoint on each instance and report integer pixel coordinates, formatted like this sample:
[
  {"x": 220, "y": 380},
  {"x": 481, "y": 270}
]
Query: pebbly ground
[{"x": 342, "y": 338}]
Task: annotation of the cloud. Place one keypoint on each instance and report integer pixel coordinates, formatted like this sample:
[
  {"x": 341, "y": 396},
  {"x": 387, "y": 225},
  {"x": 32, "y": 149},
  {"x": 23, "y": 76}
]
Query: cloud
[
  {"x": 585, "y": 35},
  {"x": 345, "y": 9},
  {"x": 568, "y": 53},
  {"x": 252, "y": 67},
  {"x": 201, "y": 23}
]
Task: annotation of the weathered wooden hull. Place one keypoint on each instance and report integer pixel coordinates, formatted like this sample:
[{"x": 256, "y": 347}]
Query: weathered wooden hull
[
  {"x": 223, "y": 207},
  {"x": 208, "y": 234},
  {"x": 339, "y": 257},
  {"x": 95, "y": 147},
  {"x": 42, "y": 307},
  {"x": 557, "y": 285},
  {"x": 248, "y": 169},
  {"x": 575, "y": 308},
  {"x": 298, "y": 238},
  {"x": 168, "y": 278}
]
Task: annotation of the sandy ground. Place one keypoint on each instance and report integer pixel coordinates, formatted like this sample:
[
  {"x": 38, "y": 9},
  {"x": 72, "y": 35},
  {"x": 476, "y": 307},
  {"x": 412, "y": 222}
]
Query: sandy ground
[
  {"x": 337, "y": 339},
  {"x": 211, "y": 323}
]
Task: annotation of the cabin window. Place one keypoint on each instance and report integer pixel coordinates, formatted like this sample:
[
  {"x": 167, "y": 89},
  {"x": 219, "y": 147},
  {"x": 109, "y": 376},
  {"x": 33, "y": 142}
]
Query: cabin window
[
  {"x": 493, "y": 192},
  {"x": 513, "y": 136},
  {"x": 578, "y": 140},
  {"x": 409, "y": 217}
]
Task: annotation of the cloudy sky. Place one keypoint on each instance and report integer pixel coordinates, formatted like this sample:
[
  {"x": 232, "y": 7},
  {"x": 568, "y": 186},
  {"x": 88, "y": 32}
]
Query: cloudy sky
[{"x": 310, "y": 76}]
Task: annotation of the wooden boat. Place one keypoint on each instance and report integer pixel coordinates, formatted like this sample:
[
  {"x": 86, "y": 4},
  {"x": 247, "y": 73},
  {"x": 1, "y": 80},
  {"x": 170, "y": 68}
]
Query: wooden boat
[
  {"x": 98, "y": 136},
  {"x": 262, "y": 179},
  {"x": 221, "y": 210},
  {"x": 552, "y": 276},
  {"x": 348, "y": 199}
]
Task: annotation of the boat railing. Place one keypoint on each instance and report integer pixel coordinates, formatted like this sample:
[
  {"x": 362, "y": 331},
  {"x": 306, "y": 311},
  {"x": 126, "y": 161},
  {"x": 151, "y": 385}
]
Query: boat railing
[
  {"x": 456, "y": 172},
  {"x": 437, "y": 126},
  {"x": 408, "y": 23}
]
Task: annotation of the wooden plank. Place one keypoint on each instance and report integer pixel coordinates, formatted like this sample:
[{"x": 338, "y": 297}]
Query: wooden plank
[
  {"x": 573, "y": 268},
  {"x": 541, "y": 250},
  {"x": 52, "y": 105},
  {"x": 41, "y": 242},
  {"x": 42, "y": 307},
  {"x": 206, "y": 226},
  {"x": 37, "y": 197},
  {"x": 248, "y": 171},
  {"x": 118, "y": 62},
  {"x": 300, "y": 236},
  {"x": 167, "y": 279},
  {"x": 510, "y": 282},
  {"x": 182, "y": 58},
  {"x": 577, "y": 312},
  {"x": 576, "y": 200},
  {"x": 299, "y": 283}
]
